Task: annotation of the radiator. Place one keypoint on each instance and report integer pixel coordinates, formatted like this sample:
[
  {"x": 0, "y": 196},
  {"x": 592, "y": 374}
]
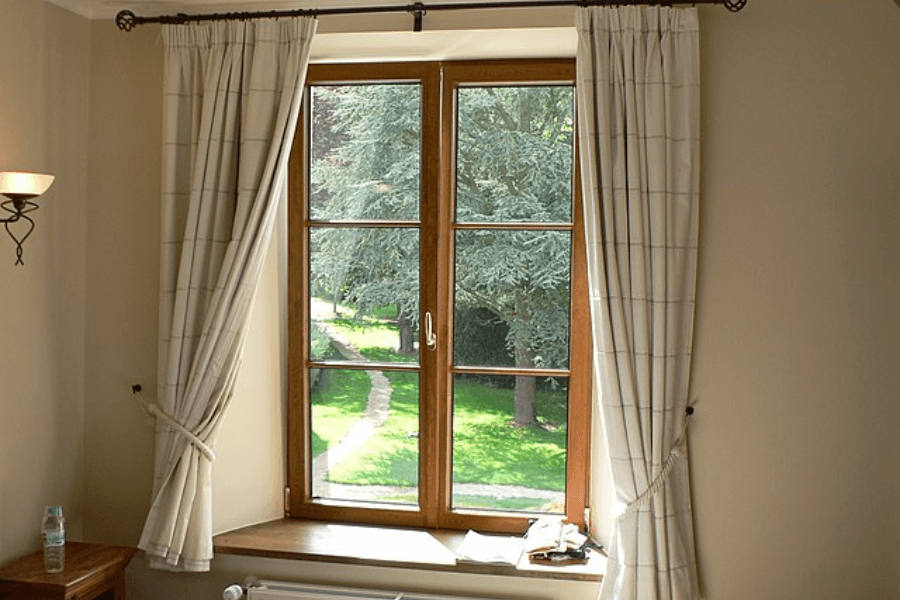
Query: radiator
[{"x": 283, "y": 590}]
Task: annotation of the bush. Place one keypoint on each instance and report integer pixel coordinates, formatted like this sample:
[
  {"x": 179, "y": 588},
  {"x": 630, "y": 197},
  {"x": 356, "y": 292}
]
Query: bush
[
  {"x": 321, "y": 348},
  {"x": 479, "y": 339}
]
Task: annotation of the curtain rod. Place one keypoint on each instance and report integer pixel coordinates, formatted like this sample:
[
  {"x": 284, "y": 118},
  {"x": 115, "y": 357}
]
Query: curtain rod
[{"x": 127, "y": 20}]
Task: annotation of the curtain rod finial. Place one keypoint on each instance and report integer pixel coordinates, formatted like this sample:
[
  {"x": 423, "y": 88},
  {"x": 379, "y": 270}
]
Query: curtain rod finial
[
  {"x": 125, "y": 20},
  {"x": 734, "y": 5}
]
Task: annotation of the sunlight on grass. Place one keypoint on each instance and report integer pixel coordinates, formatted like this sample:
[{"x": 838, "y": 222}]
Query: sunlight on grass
[
  {"x": 487, "y": 447},
  {"x": 367, "y": 333},
  {"x": 337, "y": 408},
  {"x": 490, "y": 502},
  {"x": 390, "y": 457}
]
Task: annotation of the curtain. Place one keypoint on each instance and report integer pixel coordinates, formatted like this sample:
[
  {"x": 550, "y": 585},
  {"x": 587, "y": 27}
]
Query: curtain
[
  {"x": 638, "y": 102},
  {"x": 232, "y": 94}
]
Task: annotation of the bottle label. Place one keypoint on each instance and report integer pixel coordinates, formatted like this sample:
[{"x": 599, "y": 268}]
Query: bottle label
[{"x": 54, "y": 538}]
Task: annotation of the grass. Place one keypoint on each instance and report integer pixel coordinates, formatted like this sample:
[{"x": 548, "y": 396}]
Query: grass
[
  {"x": 368, "y": 334},
  {"x": 390, "y": 457},
  {"x": 487, "y": 447},
  {"x": 338, "y": 406}
]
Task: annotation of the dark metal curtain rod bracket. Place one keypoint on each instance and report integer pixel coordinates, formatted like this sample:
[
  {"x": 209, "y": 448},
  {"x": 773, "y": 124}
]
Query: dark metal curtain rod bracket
[{"x": 127, "y": 20}]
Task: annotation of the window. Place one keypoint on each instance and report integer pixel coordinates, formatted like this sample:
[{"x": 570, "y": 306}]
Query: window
[{"x": 439, "y": 336}]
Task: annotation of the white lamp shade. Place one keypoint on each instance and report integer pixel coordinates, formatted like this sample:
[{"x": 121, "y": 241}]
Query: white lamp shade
[{"x": 18, "y": 184}]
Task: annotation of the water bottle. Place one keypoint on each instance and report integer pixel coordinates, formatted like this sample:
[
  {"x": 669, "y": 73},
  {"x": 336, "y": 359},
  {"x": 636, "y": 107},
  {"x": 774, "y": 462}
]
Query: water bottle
[{"x": 54, "y": 533}]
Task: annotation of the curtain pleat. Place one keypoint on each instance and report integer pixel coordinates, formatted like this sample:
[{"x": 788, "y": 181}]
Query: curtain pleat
[
  {"x": 232, "y": 94},
  {"x": 638, "y": 101}
]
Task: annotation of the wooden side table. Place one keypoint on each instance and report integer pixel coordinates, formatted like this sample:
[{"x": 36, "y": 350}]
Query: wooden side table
[{"x": 92, "y": 571}]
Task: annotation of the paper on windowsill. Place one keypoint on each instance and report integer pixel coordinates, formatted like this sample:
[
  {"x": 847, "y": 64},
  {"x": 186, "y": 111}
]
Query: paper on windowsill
[
  {"x": 489, "y": 550},
  {"x": 550, "y": 534}
]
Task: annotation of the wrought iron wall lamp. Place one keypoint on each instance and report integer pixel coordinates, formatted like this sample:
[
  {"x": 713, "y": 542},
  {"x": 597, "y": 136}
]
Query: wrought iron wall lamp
[{"x": 21, "y": 188}]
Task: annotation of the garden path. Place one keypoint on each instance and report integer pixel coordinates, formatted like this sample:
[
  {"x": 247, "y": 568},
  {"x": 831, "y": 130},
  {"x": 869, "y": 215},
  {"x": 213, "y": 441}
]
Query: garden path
[{"x": 377, "y": 409}]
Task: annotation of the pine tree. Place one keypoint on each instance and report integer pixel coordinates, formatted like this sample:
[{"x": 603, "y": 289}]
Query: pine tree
[{"x": 514, "y": 164}]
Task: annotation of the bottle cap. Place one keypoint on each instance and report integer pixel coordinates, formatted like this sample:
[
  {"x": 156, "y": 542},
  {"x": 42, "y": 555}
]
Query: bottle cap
[{"x": 54, "y": 510}]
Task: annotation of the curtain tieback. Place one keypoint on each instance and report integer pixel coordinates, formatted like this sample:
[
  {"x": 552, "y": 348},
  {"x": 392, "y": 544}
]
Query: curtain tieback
[
  {"x": 159, "y": 413},
  {"x": 197, "y": 442},
  {"x": 663, "y": 474}
]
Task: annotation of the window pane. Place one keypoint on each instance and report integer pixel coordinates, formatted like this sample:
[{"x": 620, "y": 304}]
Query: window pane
[
  {"x": 512, "y": 298},
  {"x": 364, "y": 294},
  {"x": 514, "y": 154},
  {"x": 365, "y": 435},
  {"x": 509, "y": 443},
  {"x": 365, "y": 151}
]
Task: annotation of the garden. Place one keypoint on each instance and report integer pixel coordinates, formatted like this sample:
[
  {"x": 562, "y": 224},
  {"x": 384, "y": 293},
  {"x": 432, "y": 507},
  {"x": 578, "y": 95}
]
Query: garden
[{"x": 496, "y": 463}]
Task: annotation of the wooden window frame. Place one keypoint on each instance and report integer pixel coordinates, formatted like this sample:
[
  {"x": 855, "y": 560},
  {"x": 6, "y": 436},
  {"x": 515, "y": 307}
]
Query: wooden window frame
[{"x": 439, "y": 83}]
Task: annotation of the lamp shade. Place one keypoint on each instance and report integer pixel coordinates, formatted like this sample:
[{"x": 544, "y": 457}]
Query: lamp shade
[{"x": 19, "y": 185}]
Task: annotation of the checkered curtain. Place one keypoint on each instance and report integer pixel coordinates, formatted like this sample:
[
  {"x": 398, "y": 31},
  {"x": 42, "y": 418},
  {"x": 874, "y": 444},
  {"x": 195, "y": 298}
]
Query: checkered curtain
[
  {"x": 232, "y": 94},
  {"x": 638, "y": 102}
]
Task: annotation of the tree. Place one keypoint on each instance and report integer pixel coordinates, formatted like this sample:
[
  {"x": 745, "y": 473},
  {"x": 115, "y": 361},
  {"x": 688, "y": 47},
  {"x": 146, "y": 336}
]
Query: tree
[
  {"x": 514, "y": 165},
  {"x": 365, "y": 152}
]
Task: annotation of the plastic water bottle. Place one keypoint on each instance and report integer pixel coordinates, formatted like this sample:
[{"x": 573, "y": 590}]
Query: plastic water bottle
[{"x": 54, "y": 533}]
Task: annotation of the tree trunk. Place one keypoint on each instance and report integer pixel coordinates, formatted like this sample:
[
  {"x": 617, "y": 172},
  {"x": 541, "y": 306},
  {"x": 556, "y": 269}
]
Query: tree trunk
[
  {"x": 524, "y": 392},
  {"x": 407, "y": 339},
  {"x": 335, "y": 296}
]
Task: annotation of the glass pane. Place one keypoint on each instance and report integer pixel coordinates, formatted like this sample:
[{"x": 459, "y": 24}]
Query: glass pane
[
  {"x": 364, "y": 294},
  {"x": 365, "y": 443},
  {"x": 509, "y": 443},
  {"x": 365, "y": 151},
  {"x": 514, "y": 154},
  {"x": 512, "y": 298}
]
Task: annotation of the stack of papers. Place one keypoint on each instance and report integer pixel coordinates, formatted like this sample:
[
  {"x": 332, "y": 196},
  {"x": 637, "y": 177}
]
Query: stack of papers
[
  {"x": 489, "y": 550},
  {"x": 549, "y": 540}
]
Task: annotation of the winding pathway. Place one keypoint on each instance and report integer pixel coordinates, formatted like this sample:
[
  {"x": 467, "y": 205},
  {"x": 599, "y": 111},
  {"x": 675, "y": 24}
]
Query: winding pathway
[{"x": 377, "y": 408}]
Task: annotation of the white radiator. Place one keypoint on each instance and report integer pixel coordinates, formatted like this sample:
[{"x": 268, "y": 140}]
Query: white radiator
[{"x": 283, "y": 590}]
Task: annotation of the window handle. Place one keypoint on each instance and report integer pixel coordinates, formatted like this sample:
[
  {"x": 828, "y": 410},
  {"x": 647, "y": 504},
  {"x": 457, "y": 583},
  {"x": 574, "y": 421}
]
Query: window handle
[{"x": 430, "y": 337}]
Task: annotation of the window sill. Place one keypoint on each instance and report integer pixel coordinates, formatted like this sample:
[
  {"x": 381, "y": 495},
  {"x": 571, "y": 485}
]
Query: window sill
[{"x": 432, "y": 549}]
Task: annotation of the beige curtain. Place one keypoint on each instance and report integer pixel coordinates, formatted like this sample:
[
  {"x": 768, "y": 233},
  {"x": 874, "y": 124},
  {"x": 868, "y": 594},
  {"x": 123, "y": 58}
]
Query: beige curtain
[
  {"x": 638, "y": 102},
  {"x": 232, "y": 95}
]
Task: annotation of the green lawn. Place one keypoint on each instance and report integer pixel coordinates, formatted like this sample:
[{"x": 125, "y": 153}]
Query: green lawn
[
  {"x": 487, "y": 447},
  {"x": 337, "y": 407}
]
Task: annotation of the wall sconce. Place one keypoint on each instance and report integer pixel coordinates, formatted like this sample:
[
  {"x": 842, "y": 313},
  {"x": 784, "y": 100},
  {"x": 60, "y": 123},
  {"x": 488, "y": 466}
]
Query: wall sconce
[{"x": 21, "y": 188}]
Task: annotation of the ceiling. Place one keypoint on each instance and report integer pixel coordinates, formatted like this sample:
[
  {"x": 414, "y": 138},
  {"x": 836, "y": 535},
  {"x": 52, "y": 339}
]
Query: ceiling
[
  {"x": 101, "y": 9},
  {"x": 451, "y": 37}
]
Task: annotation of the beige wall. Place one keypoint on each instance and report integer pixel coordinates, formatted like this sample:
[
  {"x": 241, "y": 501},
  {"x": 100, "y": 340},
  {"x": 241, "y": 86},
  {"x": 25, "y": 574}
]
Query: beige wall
[
  {"x": 795, "y": 446},
  {"x": 44, "y": 70},
  {"x": 796, "y": 440},
  {"x": 123, "y": 278}
]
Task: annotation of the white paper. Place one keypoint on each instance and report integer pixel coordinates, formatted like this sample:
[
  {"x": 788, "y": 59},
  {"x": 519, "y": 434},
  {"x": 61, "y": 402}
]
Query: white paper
[{"x": 489, "y": 549}]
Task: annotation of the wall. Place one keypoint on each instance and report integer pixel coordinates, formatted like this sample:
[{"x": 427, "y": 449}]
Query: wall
[
  {"x": 123, "y": 274},
  {"x": 44, "y": 67},
  {"x": 796, "y": 438}
]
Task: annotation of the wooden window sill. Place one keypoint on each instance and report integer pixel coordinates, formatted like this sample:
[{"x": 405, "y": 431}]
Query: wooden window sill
[{"x": 432, "y": 549}]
